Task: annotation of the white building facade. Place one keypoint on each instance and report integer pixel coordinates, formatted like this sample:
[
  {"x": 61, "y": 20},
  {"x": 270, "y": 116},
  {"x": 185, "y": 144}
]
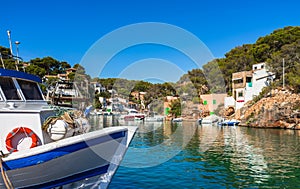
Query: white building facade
[{"x": 248, "y": 84}]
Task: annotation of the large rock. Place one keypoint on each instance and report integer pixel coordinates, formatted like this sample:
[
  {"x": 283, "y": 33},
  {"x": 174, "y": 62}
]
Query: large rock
[{"x": 280, "y": 111}]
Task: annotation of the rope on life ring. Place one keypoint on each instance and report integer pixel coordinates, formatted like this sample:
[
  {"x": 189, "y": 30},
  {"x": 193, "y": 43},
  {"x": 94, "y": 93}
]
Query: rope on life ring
[{"x": 28, "y": 132}]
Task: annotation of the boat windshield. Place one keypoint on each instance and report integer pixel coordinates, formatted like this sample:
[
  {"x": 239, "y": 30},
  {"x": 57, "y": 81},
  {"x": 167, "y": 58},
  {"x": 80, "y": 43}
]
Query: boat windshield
[
  {"x": 9, "y": 89},
  {"x": 30, "y": 90}
]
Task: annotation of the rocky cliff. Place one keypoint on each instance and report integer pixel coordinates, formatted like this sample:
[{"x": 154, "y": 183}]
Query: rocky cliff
[{"x": 280, "y": 110}]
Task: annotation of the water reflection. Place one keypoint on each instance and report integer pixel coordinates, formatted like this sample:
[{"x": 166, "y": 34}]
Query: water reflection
[{"x": 210, "y": 156}]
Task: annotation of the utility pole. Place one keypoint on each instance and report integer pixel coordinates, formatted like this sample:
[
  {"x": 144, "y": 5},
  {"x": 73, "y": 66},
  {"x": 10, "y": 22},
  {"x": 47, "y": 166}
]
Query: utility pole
[{"x": 283, "y": 80}]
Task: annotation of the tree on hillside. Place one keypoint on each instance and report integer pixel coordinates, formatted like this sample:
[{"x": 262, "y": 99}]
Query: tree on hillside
[
  {"x": 277, "y": 39},
  {"x": 141, "y": 86},
  {"x": 291, "y": 55},
  {"x": 80, "y": 70},
  {"x": 175, "y": 108},
  {"x": 36, "y": 70},
  {"x": 6, "y": 59},
  {"x": 271, "y": 48},
  {"x": 214, "y": 77},
  {"x": 107, "y": 83},
  {"x": 50, "y": 66}
]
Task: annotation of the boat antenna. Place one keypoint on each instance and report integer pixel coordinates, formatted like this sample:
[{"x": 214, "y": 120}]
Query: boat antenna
[
  {"x": 17, "y": 43},
  {"x": 11, "y": 50},
  {"x": 9, "y": 40}
]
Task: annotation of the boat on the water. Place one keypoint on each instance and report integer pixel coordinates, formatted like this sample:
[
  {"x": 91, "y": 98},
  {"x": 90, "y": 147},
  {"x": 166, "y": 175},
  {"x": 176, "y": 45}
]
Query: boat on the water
[
  {"x": 178, "y": 119},
  {"x": 209, "y": 120},
  {"x": 155, "y": 118},
  {"x": 132, "y": 115},
  {"x": 231, "y": 122},
  {"x": 45, "y": 147}
]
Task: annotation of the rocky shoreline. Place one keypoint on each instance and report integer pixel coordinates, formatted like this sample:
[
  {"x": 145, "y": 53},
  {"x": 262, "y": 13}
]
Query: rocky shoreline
[{"x": 279, "y": 110}]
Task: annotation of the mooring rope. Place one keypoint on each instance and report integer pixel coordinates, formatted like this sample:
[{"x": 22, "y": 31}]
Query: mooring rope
[{"x": 5, "y": 178}]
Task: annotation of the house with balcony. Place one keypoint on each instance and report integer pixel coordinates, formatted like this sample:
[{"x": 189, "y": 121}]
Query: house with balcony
[{"x": 248, "y": 84}]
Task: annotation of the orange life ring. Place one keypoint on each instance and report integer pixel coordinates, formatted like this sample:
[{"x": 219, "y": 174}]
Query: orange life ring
[{"x": 27, "y": 132}]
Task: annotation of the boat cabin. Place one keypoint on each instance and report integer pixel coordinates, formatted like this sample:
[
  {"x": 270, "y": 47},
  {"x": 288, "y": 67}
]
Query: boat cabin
[
  {"x": 19, "y": 90},
  {"x": 23, "y": 109}
]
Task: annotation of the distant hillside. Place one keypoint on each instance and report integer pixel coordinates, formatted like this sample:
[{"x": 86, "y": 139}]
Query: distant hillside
[{"x": 282, "y": 43}]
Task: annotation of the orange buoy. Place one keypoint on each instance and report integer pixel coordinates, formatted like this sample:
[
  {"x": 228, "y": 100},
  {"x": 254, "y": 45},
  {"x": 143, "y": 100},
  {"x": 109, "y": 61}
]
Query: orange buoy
[{"x": 20, "y": 130}]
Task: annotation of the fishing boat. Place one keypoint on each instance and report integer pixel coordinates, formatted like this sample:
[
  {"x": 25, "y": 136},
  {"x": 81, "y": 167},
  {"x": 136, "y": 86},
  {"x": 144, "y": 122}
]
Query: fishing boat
[{"x": 45, "y": 147}]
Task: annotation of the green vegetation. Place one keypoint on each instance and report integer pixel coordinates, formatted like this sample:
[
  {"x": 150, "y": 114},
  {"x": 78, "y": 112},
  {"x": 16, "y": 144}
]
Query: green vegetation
[
  {"x": 282, "y": 43},
  {"x": 175, "y": 108},
  {"x": 214, "y": 77}
]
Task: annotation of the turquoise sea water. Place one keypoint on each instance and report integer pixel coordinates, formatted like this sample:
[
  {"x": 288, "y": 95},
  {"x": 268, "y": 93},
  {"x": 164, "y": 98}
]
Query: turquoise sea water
[{"x": 186, "y": 155}]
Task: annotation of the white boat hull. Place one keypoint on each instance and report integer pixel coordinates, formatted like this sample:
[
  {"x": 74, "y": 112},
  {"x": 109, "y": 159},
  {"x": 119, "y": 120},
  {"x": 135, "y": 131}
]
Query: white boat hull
[{"x": 68, "y": 160}]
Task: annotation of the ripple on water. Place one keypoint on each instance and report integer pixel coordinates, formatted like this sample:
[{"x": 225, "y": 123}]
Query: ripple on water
[{"x": 214, "y": 157}]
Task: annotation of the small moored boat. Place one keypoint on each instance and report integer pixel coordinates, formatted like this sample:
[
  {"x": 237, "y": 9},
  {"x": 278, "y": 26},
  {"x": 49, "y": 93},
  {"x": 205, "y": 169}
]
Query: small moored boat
[
  {"x": 132, "y": 115},
  {"x": 209, "y": 120},
  {"x": 231, "y": 122},
  {"x": 178, "y": 119}
]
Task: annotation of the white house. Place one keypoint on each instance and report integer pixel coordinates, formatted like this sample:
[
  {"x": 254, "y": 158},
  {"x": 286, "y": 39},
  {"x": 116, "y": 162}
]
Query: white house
[
  {"x": 98, "y": 87},
  {"x": 248, "y": 84}
]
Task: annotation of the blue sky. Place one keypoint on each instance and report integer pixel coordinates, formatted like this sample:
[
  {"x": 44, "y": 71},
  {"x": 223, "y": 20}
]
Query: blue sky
[{"x": 66, "y": 29}]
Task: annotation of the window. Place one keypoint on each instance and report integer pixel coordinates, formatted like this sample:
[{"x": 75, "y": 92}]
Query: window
[
  {"x": 248, "y": 79},
  {"x": 237, "y": 81},
  {"x": 205, "y": 102},
  {"x": 262, "y": 66},
  {"x": 9, "y": 89},
  {"x": 30, "y": 90},
  {"x": 214, "y": 102},
  {"x": 240, "y": 94},
  {"x": 255, "y": 67}
]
